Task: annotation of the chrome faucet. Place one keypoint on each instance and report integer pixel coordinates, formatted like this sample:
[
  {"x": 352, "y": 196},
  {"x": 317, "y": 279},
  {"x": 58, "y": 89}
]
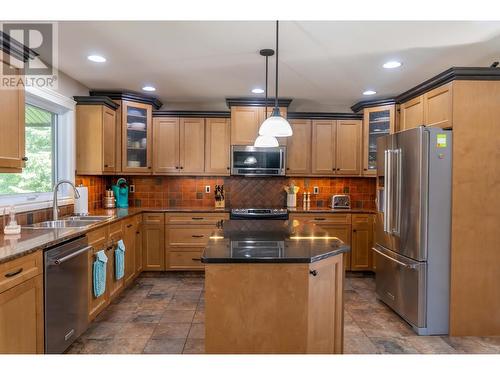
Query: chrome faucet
[{"x": 55, "y": 209}]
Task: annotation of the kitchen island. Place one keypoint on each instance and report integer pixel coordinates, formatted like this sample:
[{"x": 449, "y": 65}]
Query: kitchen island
[{"x": 273, "y": 286}]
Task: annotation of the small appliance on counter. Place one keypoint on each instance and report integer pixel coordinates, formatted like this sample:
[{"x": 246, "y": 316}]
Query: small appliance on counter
[
  {"x": 219, "y": 196},
  {"x": 82, "y": 202},
  {"x": 341, "y": 201},
  {"x": 108, "y": 200},
  {"x": 121, "y": 193}
]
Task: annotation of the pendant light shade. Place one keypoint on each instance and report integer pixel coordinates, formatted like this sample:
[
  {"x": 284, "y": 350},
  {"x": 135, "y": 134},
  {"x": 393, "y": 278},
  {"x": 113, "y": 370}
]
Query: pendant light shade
[
  {"x": 275, "y": 125},
  {"x": 266, "y": 141}
]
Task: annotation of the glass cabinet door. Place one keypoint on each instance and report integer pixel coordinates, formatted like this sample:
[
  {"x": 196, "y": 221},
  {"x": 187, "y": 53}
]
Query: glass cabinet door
[
  {"x": 378, "y": 122},
  {"x": 137, "y": 125}
]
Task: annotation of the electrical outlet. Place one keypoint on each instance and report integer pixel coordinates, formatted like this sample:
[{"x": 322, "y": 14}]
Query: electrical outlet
[
  {"x": 131, "y": 188},
  {"x": 315, "y": 190},
  {"x": 207, "y": 189}
]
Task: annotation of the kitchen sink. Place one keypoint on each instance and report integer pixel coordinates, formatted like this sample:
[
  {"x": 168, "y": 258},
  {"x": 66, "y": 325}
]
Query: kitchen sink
[
  {"x": 61, "y": 224},
  {"x": 70, "y": 222},
  {"x": 88, "y": 218}
]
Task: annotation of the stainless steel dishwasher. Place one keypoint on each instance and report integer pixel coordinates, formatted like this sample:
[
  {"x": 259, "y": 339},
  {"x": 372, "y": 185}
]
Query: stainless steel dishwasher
[{"x": 66, "y": 299}]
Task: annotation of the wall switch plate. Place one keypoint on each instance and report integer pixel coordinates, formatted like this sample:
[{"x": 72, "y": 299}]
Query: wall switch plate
[
  {"x": 207, "y": 189},
  {"x": 315, "y": 190},
  {"x": 131, "y": 188}
]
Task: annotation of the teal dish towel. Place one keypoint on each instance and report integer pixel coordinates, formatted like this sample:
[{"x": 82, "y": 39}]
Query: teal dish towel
[
  {"x": 119, "y": 260},
  {"x": 99, "y": 273}
]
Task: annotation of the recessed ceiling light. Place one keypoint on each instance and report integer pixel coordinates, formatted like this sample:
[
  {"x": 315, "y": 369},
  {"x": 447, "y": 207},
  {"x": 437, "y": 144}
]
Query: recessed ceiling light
[
  {"x": 149, "y": 88},
  {"x": 392, "y": 64},
  {"x": 369, "y": 92},
  {"x": 258, "y": 91},
  {"x": 96, "y": 58}
]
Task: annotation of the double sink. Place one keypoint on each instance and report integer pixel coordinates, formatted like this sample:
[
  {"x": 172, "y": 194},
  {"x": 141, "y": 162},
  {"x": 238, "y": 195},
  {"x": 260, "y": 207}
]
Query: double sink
[{"x": 69, "y": 222}]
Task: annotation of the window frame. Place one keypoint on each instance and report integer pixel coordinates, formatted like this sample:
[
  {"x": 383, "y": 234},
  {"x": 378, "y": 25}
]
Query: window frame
[{"x": 64, "y": 144}]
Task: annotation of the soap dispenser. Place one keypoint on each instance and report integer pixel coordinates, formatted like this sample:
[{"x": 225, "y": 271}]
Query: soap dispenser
[{"x": 12, "y": 227}]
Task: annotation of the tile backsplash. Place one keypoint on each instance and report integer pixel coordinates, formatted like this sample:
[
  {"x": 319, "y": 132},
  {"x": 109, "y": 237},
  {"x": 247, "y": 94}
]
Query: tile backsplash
[{"x": 177, "y": 191}]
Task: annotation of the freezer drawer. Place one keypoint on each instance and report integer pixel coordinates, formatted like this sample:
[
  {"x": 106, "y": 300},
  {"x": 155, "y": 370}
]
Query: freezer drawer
[{"x": 401, "y": 284}]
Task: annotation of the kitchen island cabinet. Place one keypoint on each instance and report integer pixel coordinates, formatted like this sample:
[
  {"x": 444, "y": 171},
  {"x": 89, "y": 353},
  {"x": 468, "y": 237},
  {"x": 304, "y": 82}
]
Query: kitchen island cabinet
[{"x": 284, "y": 297}]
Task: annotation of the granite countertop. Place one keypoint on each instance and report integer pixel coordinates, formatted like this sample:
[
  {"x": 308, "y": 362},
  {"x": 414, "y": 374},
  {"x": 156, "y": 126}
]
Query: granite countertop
[{"x": 270, "y": 241}]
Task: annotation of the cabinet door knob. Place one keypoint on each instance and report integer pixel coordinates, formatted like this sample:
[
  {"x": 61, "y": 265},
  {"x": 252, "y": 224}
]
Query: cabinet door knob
[
  {"x": 354, "y": 230},
  {"x": 182, "y": 167},
  {"x": 314, "y": 272},
  {"x": 25, "y": 158},
  {"x": 176, "y": 167},
  {"x": 228, "y": 168}
]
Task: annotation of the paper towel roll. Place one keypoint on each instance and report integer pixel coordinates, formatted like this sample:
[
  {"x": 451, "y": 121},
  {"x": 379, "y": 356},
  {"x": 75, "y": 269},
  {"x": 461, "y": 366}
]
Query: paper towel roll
[{"x": 82, "y": 203}]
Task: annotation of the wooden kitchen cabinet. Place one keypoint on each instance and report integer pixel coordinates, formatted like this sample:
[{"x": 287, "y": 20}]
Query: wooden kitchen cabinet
[
  {"x": 323, "y": 150},
  {"x": 153, "y": 242},
  {"x": 377, "y": 122},
  {"x": 438, "y": 109},
  {"x": 96, "y": 138},
  {"x": 299, "y": 148},
  {"x": 115, "y": 234},
  {"x": 98, "y": 240},
  {"x": 245, "y": 123},
  {"x": 166, "y": 132},
  {"x": 192, "y": 146},
  {"x": 348, "y": 147},
  {"x": 217, "y": 146},
  {"x": 186, "y": 235},
  {"x": 12, "y": 128},
  {"x": 21, "y": 305},
  {"x": 412, "y": 113},
  {"x": 361, "y": 242},
  {"x": 136, "y": 137},
  {"x": 138, "y": 244},
  {"x": 129, "y": 233}
]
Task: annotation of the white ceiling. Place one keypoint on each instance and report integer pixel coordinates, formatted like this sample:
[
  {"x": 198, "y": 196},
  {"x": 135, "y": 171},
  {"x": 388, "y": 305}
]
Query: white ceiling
[{"x": 324, "y": 66}]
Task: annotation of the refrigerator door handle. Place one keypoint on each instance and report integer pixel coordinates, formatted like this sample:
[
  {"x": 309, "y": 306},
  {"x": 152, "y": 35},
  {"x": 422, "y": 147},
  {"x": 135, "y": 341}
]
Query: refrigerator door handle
[
  {"x": 398, "y": 171},
  {"x": 387, "y": 190},
  {"x": 394, "y": 260}
]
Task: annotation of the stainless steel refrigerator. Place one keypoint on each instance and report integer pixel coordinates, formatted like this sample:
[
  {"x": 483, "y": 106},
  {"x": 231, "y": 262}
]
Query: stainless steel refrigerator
[{"x": 413, "y": 225}]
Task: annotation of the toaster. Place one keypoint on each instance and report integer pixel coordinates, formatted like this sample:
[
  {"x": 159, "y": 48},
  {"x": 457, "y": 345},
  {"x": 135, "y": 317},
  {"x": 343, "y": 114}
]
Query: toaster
[{"x": 340, "y": 201}]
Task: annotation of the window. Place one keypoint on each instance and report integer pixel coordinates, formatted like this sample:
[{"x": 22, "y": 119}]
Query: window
[
  {"x": 50, "y": 148},
  {"x": 39, "y": 174}
]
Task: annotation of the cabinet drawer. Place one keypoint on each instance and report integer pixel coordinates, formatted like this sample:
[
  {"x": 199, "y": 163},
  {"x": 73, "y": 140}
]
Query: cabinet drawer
[
  {"x": 19, "y": 270},
  {"x": 97, "y": 236},
  {"x": 185, "y": 259},
  {"x": 153, "y": 218},
  {"x": 361, "y": 220},
  {"x": 195, "y": 218},
  {"x": 188, "y": 235},
  {"x": 115, "y": 231},
  {"x": 323, "y": 218}
]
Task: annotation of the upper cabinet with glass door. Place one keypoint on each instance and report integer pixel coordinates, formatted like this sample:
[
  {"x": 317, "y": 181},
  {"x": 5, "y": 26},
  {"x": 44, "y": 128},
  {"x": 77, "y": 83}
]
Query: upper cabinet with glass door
[
  {"x": 377, "y": 122},
  {"x": 136, "y": 137}
]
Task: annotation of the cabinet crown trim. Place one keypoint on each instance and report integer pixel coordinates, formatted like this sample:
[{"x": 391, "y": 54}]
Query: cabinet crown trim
[
  {"x": 257, "y": 102},
  {"x": 96, "y": 100},
  {"x": 324, "y": 116},
  {"x": 206, "y": 114},
  {"x": 132, "y": 96}
]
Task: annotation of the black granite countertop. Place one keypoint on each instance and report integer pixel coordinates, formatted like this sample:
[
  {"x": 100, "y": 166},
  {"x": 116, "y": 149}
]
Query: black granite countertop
[{"x": 270, "y": 241}]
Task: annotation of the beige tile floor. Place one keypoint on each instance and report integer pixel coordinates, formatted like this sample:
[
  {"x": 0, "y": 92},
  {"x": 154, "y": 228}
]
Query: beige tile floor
[{"x": 164, "y": 313}]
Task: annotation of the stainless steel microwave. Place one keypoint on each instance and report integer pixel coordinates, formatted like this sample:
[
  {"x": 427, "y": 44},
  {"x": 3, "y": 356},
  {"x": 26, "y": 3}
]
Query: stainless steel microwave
[{"x": 258, "y": 161}]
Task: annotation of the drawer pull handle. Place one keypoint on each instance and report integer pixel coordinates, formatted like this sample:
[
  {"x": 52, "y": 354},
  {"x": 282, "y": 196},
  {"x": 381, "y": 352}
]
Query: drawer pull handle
[
  {"x": 314, "y": 272},
  {"x": 319, "y": 218},
  {"x": 196, "y": 259},
  {"x": 14, "y": 273},
  {"x": 129, "y": 226},
  {"x": 197, "y": 236},
  {"x": 196, "y": 218}
]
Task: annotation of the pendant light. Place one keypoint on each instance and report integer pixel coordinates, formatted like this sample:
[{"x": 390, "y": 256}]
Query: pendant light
[
  {"x": 276, "y": 125},
  {"x": 266, "y": 140}
]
